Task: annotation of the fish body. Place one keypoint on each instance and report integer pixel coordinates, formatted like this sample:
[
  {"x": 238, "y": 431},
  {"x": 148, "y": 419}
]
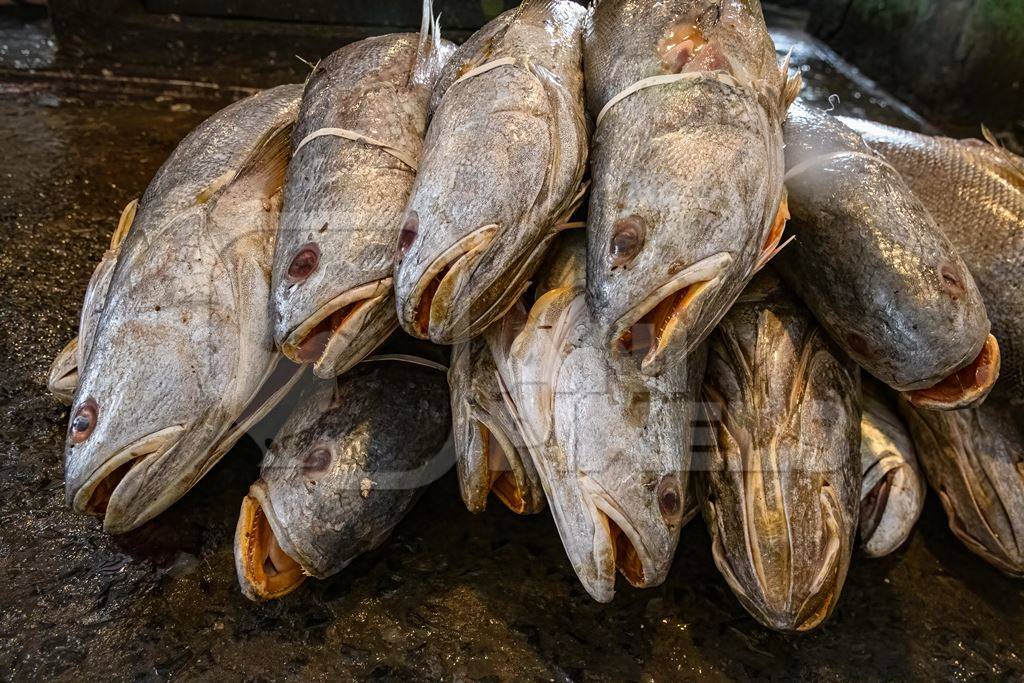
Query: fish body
[
  {"x": 502, "y": 165},
  {"x": 975, "y": 191},
  {"x": 612, "y": 446},
  {"x": 687, "y": 196},
  {"x": 871, "y": 263},
  {"x": 346, "y": 467},
  {"x": 784, "y": 477},
  {"x": 344, "y": 198},
  {"x": 974, "y": 460},
  {"x": 893, "y": 486},
  {"x": 489, "y": 451},
  {"x": 176, "y": 336}
]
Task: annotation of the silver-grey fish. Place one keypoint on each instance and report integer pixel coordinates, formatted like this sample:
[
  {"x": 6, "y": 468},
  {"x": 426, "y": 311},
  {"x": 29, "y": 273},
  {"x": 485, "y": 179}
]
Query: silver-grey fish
[
  {"x": 893, "y": 487},
  {"x": 877, "y": 272},
  {"x": 170, "y": 362},
  {"x": 974, "y": 459},
  {"x": 687, "y": 199},
  {"x": 346, "y": 467},
  {"x": 784, "y": 472},
  {"x": 975, "y": 191},
  {"x": 344, "y": 197},
  {"x": 611, "y": 445},
  {"x": 489, "y": 450},
  {"x": 502, "y": 166}
]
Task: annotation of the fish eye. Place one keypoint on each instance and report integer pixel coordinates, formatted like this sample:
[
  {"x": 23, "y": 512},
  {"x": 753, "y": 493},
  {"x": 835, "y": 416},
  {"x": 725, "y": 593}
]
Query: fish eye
[
  {"x": 304, "y": 262},
  {"x": 950, "y": 281},
  {"x": 316, "y": 462},
  {"x": 84, "y": 421},
  {"x": 627, "y": 240},
  {"x": 410, "y": 229},
  {"x": 670, "y": 499}
]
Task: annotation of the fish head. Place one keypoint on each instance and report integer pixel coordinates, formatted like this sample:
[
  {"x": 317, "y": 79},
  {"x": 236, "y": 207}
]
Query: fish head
[
  {"x": 345, "y": 467},
  {"x": 610, "y": 445},
  {"x": 143, "y": 419},
  {"x": 974, "y": 460},
  {"x": 784, "y": 476}
]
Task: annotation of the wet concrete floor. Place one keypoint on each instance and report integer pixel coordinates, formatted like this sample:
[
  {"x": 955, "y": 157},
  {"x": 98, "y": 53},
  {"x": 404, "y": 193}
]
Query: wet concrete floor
[{"x": 450, "y": 595}]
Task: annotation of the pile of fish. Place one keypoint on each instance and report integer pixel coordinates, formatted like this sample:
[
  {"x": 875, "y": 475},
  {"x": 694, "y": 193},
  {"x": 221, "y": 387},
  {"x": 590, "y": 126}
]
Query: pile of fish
[{"x": 668, "y": 287}]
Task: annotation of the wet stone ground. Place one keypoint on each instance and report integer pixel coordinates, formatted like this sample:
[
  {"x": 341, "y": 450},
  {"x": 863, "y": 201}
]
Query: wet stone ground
[{"x": 450, "y": 595}]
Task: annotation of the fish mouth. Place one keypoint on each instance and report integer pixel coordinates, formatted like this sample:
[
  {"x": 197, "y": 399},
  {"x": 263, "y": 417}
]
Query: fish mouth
[
  {"x": 94, "y": 496},
  {"x": 504, "y": 474},
  {"x": 330, "y": 337},
  {"x": 873, "y": 505},
  {"x": 62, "y": 378},
  {"x": 617, "y": 545},
  {"x": 427, "y": 311},
  {"x": 266, "y": 571},
  {"x": 657, "y": 325},
  {"x": 964, "y": 388}
]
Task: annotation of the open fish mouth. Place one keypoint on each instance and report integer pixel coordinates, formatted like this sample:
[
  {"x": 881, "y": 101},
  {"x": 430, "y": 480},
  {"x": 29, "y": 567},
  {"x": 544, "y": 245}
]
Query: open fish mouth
[
  {"x": 503, "y": 472},
  {"x": 266, "y": 570},
  {"x": 964, "y": 388},
  {"x": 617, "y": 545},
  {"x": 873, "y": 505},
  {"x": 330, "y": 338},
  {"x": 428, "y": 310},
  {"x": 94, "y": 496},
  {"x": 658, "y": 323}
]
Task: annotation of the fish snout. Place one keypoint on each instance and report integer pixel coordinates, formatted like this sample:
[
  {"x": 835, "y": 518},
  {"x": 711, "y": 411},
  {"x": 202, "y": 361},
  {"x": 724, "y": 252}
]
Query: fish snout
[
  {"x": 672, "y": 319},
  {"x": 964, "y": 387},
  {"x": 435, "y": 298},
  {"x": 264, "y": 562},
  {"x": 340, "y": 332},
  {"x": 105, "y": 489}
]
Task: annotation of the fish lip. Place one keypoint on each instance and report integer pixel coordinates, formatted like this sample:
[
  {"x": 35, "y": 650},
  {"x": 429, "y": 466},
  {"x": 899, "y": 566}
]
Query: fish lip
[
  {"x": 258, "y": 499},
  {"x": 705, "y": 274},
  {"x": 511, "y": 494},
  {"x": 603, "y": 509},
  {"x": 426, "y": 319},
  {"x": 153, "y": 445},
  {"x": 362, "y": 301},
  {"x": 951, "y": 393}
]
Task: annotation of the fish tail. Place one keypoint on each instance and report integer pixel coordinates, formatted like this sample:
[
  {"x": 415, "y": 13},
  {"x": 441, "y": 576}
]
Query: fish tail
[
  {"x": 428, "y": 51},
  {"x": 791, "y": 84}
]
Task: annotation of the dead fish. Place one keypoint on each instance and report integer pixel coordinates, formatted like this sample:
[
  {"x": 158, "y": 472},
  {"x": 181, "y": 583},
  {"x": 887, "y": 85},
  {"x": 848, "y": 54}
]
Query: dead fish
[
  {"x": 783, "y": 483},
  {"x": 975, "y": 191},
  {"x": 893, "y": 486},
  {"x": 877, "y": 272},
  {"x": 489, "y": 450},
  {"x": 687, "y": 199},
  {"x": 611, "y": 445},
  {"x": 502, "y": 168},
  {"x": 358, "y": 142},
  {"x": 974, "y": 459},
  {"x": 346, "y": 467},
  {"x": 171, "y": 362}
]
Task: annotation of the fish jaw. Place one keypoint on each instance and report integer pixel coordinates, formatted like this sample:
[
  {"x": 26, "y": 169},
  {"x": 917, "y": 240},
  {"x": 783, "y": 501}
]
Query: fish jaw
[
  {"x": 342, "y": 331},
  {"x": 965, "y": 387},
  {"x": 429, "y": 298},
  {"x": 658, "y": 327},
  {"x": 889, "y": 509},
  {"x": 264, "y": 557},
  {"x": 62, "y": 379},
  {"x": 102, "y": 491}
]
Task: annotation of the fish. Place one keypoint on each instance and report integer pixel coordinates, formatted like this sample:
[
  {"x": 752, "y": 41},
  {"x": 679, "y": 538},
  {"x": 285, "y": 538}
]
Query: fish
[
  {"x": 893, "y": 486},
  {"x": 175, "y": 352},
  {"x": 489, "y": 451},
  {"x": 975, "y": 192},
  {"x": 974, "y": 460},
  {"x": 783, "y": 479},
  {"x": 611, "y": 445},
  {"x": 687, "y": 199},
  {"x": 502, "y": 171},
  {"x": 358, "y": 143},
  {"x": 878, "y": 273},
  {"x": 347, "y": 465}
]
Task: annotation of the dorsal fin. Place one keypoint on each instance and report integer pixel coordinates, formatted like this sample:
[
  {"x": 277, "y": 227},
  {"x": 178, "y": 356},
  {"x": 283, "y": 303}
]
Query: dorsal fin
[
  {"x": 265, "y": 168},
  {"x": 124, "y": 223}
]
